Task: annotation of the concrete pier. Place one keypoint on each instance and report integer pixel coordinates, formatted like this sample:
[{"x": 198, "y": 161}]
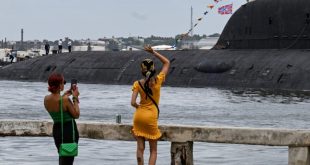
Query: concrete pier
[
  {"x": 182, "y": 137},
  {"x": 182, "y": 153}
]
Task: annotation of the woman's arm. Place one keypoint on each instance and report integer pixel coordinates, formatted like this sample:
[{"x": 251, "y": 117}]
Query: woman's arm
[
  {"x": 134, "y": 99},
  {"x": 163, "y": 59},
  {"x": 45, "y": 104},
  {"x": 73, "y": 108}
]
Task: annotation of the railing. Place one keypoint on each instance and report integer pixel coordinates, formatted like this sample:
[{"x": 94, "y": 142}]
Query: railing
[{"x": 181, "y": 137}]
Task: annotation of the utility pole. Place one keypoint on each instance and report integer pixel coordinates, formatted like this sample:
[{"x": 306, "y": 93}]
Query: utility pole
[
  {"x": 192, "y": 26},
  {"x": 22, "y": 40},
  {"x": 5, "y": 44}
]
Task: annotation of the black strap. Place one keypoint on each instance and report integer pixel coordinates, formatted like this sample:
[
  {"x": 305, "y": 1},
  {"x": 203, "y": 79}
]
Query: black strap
[{"x": 150, "y": 98}]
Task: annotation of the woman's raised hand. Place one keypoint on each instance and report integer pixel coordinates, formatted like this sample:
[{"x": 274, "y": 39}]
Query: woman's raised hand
[{"x": 149, "y": 49}]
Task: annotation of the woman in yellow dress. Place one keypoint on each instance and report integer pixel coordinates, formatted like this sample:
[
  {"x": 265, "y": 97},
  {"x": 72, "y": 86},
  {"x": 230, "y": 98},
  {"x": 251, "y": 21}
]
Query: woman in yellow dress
[{"x": 145, "y": 120}]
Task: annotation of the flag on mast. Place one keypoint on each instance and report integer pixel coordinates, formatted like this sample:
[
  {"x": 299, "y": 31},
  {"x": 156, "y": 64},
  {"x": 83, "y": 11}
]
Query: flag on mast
[{"x": 227, "y": 9}]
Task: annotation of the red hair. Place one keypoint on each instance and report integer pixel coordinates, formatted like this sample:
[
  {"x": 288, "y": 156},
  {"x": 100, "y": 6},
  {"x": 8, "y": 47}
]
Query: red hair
[{"x": 54, "y": 82}]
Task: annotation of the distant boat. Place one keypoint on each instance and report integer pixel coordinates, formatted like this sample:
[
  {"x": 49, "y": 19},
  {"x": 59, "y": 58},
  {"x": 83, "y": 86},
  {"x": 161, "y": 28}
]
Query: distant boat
[
  {"x": 164, "y": 47},
  {"x": 157, "y": 47}
]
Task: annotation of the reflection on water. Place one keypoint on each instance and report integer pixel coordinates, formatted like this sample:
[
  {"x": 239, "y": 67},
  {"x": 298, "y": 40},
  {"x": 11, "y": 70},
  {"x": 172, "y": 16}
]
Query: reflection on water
[
  {"x": 98, "y": 152},
  {"x": 188, "y": 106}
]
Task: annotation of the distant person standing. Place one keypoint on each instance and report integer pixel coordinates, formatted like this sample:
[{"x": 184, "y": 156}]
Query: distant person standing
[
  {"x": 60, "y": 46},
  {"x": 13, "y": 54},
  {"x": 47, "y": 48},
  {"x": 88, "y": 46},
  {"x": 69, "y": 46},
  {"x": 11, "y": 57}
]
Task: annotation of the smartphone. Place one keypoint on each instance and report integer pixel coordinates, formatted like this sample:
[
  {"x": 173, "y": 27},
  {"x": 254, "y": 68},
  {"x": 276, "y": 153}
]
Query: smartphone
[{"x": 73, "y": 84}]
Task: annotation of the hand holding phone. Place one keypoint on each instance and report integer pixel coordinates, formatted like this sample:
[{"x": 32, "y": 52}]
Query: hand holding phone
[{"x": 74, "y": 90}]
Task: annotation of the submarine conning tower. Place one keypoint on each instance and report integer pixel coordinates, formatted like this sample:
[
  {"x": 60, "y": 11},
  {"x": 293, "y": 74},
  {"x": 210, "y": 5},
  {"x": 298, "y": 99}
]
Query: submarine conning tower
[{"x": 268, "y": 24}]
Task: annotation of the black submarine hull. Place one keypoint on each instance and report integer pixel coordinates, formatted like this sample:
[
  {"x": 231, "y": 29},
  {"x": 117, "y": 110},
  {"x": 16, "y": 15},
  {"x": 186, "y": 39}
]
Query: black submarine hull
[
  {"x": 264, "y": 45},
  {"x": 267, "y": 69}
]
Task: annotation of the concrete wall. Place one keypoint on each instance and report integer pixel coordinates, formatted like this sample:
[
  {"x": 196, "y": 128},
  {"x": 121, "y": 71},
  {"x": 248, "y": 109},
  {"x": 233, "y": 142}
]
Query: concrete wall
[
  {"x": 173, "y": 133},
  {"x": 182, "y": 137}
]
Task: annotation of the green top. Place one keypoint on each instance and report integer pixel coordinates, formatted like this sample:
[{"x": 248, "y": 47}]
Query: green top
[{"x": 56, "y": 116}]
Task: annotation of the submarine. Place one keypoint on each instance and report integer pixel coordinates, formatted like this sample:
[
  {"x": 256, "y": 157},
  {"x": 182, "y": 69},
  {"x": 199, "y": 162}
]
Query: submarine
[{"x": 264, "y": 45}]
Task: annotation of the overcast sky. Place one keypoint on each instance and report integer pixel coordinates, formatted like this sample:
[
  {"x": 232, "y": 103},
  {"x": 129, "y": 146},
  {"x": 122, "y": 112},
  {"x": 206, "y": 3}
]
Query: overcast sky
[{"x": 82, "y": 19}]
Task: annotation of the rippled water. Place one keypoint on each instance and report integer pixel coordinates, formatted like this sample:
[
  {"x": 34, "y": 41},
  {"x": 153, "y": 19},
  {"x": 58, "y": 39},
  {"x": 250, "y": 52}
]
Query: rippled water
[{"x": 188, "y": 106}]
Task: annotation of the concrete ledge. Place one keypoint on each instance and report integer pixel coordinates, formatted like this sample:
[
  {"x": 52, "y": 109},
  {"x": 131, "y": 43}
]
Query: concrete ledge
[
  {"x": 173, "y": 133},
  {"x": 297, "y": 140},
  {"x": 25, "y": 128}
]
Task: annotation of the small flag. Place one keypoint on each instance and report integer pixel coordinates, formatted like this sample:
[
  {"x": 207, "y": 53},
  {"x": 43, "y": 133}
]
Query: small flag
[
  {"x": 227, "y": 9},
  {"x": 195, "y": 24},
  {"x": 199, "y": 19},
  {"x": 210, "y": 6},
  {"x": 205, "y": 13}
]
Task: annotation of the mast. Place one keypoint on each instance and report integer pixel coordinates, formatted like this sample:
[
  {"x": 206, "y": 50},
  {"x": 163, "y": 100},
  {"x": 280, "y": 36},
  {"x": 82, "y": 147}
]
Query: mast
[{"x": 192, "y": 26}]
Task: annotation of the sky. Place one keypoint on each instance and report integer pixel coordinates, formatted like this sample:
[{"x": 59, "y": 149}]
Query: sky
[{"x": 93, "y": 19}]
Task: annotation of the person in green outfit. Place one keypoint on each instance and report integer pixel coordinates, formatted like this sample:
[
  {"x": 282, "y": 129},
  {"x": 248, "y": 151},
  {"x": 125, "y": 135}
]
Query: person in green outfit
[{"x": 71, "y": 111}]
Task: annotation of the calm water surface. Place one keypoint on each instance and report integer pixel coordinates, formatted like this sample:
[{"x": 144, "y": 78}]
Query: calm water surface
[{"x": 187, "y": 106}]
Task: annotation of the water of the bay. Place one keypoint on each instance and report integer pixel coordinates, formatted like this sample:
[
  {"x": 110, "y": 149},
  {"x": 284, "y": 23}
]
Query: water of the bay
[{"x": 186, "y": 106}]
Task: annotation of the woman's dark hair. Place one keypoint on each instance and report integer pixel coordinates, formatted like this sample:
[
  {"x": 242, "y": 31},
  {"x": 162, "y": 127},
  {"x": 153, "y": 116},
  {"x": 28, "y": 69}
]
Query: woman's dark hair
[
  {"x": 54, "y": 82},
  {"x": 148, "y": 70}
]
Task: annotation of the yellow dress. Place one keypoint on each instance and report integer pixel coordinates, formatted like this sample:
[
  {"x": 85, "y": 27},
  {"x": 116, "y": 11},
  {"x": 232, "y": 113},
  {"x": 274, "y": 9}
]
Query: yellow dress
[{"x": 145, "y": 119}]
